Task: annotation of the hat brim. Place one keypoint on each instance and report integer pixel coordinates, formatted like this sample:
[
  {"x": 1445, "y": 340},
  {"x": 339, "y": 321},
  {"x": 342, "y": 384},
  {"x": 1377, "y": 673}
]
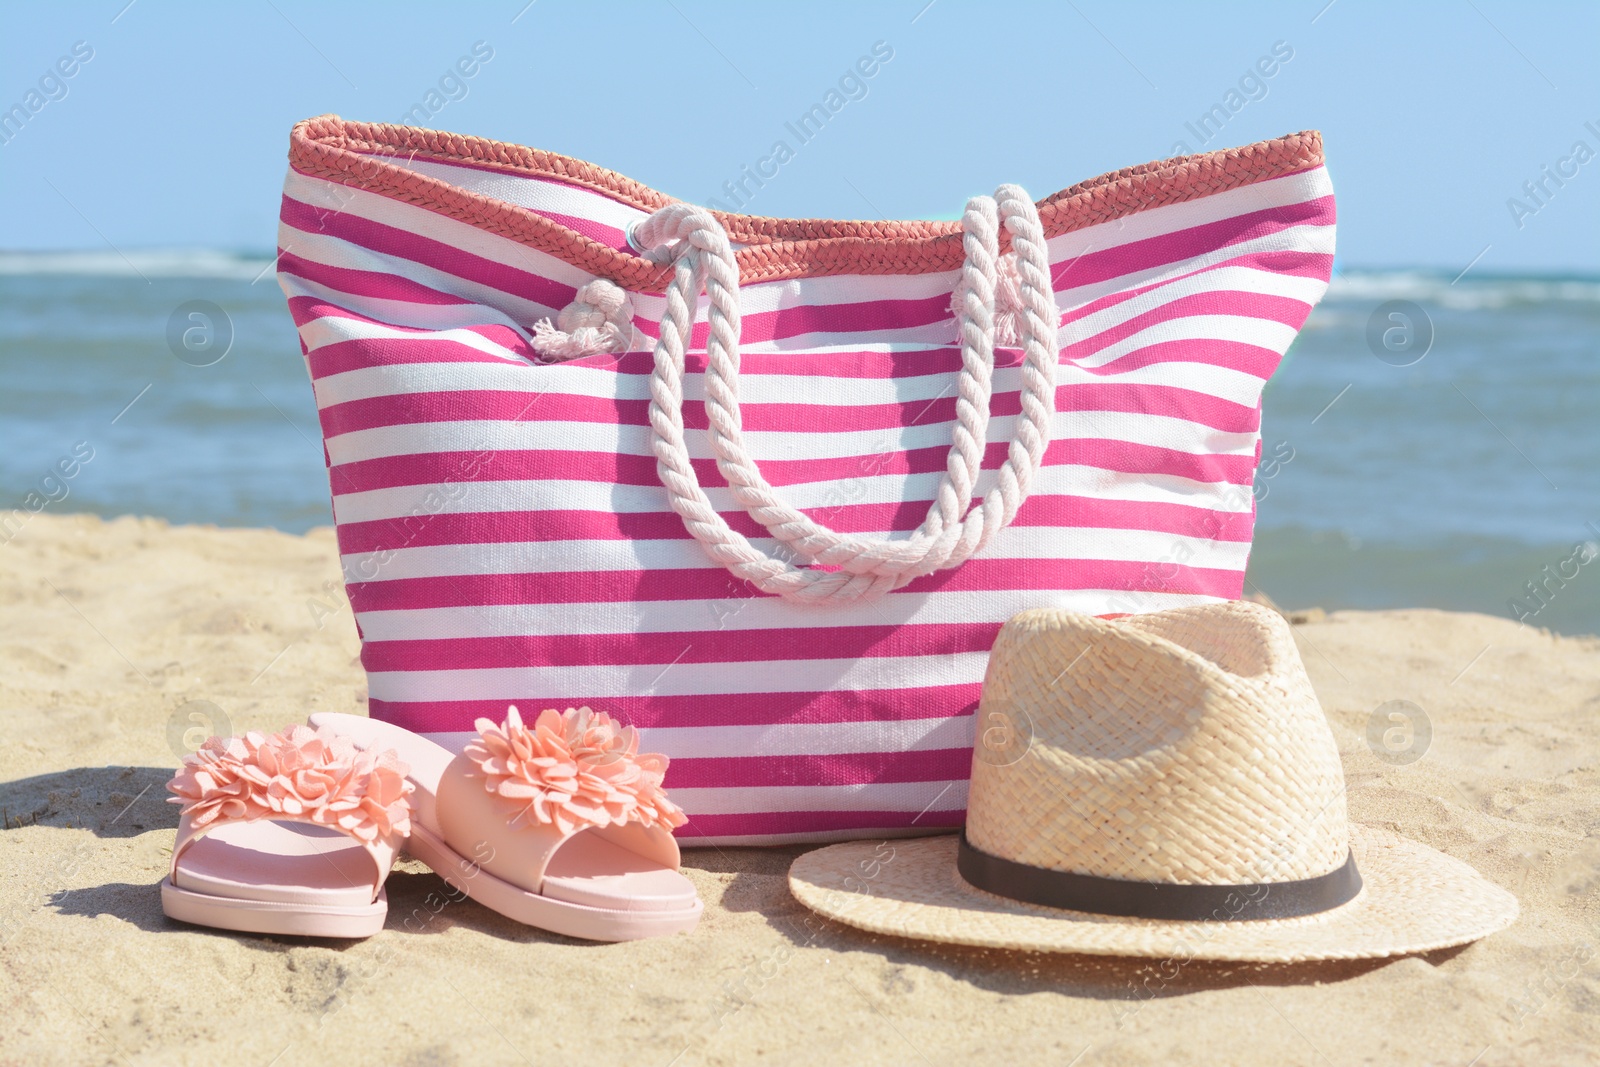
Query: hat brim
[{"x": 1413, "y": 899}]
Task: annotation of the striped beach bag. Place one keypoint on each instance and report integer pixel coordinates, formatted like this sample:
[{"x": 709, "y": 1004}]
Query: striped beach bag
[{"x": 768, "y": 488}]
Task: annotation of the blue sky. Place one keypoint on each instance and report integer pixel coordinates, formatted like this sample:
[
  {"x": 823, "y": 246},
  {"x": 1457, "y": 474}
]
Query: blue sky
[{"x": 173, "y": 133}]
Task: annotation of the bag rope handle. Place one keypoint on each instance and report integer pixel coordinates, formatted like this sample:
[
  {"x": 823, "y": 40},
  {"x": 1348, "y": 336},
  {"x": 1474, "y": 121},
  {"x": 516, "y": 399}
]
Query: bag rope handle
[{"x": 697, "y": 246}]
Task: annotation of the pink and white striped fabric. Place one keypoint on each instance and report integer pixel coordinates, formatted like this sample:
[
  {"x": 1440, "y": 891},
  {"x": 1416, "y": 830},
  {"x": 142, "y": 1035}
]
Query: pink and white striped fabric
[{"x": 506, "y": 539}]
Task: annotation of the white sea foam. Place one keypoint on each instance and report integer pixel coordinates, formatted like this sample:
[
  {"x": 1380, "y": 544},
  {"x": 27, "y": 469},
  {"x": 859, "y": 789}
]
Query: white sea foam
[
  {"x": 143, "y": 263},
  {"x": 1465, "y": 294}
]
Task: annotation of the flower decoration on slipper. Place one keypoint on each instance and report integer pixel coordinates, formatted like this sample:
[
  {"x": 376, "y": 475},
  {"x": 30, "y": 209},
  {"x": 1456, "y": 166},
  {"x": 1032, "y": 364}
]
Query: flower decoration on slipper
[
  {"x": 575, "y": 769},
  {"x": 309, "y": 775}
]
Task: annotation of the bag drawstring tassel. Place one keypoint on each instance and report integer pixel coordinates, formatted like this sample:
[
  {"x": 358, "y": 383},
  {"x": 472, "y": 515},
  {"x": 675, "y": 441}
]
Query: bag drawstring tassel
[
  {"x": 1008, "y": 306},
  {"x": 599, "y": 320}
]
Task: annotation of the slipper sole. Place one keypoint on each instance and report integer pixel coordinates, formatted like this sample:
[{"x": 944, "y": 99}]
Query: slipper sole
[
  {"x": 531, "y": 909},
  {"x": 273, "y": 917}
]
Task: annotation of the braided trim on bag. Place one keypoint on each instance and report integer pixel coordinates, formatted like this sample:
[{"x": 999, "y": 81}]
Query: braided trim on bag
[{"x": 352, "y": 154}]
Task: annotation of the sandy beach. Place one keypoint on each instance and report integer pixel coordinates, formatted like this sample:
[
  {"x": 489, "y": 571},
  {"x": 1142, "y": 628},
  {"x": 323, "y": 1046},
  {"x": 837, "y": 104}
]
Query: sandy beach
[{"x": 119, "y": 637}]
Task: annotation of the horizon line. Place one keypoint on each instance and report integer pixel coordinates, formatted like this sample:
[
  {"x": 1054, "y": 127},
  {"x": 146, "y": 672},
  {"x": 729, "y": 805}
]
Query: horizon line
[{"x": 259, "y": 256}]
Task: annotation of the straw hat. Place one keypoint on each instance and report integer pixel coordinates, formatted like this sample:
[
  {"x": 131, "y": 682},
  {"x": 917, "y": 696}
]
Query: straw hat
[{"x": 1161, "y": 785}]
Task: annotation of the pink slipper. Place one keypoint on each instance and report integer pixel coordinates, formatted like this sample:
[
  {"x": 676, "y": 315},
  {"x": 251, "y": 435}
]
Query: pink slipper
[
  {"x": 292, "y": 833},
  {"x": 562, "y": 826}
]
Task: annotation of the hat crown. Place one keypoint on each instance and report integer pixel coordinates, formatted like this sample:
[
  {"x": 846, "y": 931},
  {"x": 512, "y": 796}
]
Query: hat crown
[{"x": 1185, "y": 746}]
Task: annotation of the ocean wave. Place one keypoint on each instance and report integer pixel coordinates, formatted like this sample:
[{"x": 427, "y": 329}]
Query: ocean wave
[
  {"x": 150, "y": 263},
  {"x": 1465, "y": 294},
  {"x": 1348, "y": 286}
]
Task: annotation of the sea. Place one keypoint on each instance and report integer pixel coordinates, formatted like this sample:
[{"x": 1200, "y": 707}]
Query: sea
[{"x": 1430, "y": 440}]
